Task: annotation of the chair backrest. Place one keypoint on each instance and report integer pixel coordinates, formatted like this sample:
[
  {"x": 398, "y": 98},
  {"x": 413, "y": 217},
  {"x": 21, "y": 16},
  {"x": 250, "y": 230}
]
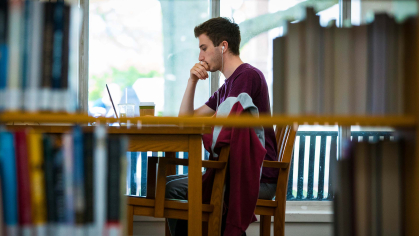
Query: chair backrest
[{"x": 285, "y": 137}]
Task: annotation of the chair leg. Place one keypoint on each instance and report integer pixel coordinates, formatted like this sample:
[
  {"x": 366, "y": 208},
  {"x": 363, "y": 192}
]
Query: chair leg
[
  {"x": 265, "y": 225},
  {"x": 130, "y": 219},
  {"x": 279, "y": 222},
  {"x": 205, "y": 228},
  {"x": 166, "y": 230}
]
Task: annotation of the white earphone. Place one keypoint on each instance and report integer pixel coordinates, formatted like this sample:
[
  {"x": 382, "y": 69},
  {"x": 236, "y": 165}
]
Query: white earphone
[{"x": 222, "y": 50}]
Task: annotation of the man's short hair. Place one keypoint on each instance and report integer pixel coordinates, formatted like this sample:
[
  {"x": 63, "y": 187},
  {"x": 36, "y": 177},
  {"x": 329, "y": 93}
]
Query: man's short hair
[{"x": 221, "y": 29}]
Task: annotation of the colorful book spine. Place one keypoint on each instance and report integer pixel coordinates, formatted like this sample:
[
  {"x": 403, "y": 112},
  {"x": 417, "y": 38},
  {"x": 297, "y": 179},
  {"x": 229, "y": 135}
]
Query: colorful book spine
[
  {"x": 59, "y": 191},
  {"x": 9, "y": 183},
  {"x": 38, "y": 195},
  {"x": 24, "y": 183}
]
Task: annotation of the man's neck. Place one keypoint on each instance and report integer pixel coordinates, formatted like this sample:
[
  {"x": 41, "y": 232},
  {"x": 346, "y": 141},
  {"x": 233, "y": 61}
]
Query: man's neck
[{"x": 231, "y": 62}]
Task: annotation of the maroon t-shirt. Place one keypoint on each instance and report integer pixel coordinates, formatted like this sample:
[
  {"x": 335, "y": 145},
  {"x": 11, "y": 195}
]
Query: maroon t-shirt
[{"x": 250, "y": 80}]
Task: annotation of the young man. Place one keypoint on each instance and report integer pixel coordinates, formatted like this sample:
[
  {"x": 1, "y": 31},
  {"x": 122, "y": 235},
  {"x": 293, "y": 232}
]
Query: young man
[{"x": 219, "y": 42}]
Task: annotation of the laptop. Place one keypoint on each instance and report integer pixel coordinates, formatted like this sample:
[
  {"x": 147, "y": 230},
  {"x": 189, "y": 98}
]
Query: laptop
[{"x": 110, "y": 97}]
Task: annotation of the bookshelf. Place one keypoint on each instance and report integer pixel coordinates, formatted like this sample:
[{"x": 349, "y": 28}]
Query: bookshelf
[{"x": 394, "y": 121}]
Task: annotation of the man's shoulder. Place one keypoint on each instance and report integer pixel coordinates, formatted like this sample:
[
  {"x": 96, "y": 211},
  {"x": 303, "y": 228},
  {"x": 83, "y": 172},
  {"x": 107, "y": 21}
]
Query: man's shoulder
[{"x": 251, "y": 72}]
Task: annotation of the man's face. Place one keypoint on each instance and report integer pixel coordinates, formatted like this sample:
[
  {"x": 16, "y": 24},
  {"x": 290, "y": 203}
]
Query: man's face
[{"x": 209, "y": 54}]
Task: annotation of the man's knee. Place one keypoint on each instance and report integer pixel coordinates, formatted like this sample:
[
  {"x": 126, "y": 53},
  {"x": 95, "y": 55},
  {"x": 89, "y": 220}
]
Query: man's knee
[{"x": 176, "y": 189}]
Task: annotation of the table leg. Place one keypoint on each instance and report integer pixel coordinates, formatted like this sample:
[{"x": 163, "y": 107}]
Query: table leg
[{"x": 195, "y": 186}]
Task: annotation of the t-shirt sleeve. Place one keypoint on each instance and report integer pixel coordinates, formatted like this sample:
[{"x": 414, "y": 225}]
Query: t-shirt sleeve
[
  {"x": 212, "y": 101},
  {"x": 247, "y": 82}
]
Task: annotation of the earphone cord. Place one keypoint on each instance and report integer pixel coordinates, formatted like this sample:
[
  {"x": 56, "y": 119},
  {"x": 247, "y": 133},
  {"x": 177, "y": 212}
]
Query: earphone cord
[{"x": 222, "y": 68}]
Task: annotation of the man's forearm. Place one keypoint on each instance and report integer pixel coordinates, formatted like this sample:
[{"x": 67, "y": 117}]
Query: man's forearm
[{"x": 187, "y": 107}]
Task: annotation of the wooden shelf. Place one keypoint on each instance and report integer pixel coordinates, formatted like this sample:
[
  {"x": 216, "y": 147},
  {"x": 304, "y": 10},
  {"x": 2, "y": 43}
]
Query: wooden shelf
[{"x": 242, "y": 121}]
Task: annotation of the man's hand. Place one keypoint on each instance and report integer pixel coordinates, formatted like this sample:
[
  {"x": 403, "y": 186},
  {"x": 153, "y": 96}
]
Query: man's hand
[{"x": 199, "y": 71}]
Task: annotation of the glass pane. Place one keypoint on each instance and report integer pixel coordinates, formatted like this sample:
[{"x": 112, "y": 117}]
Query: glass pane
[
  {"x": 144, "y": 49},
  {"x": 262, "y": 21}
]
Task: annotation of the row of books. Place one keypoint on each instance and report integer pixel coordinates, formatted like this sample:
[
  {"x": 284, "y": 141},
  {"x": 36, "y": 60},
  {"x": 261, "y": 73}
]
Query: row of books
[
  {"x": 39, "y": 44},
  {"x": 62, "y": 184},
  {"x": 369, "y": 193},
  {"x": 362, "y": 70}
]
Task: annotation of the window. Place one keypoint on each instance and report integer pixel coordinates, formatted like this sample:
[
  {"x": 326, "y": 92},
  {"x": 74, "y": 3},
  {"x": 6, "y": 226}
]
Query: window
[{"x": 143, "y": 50}]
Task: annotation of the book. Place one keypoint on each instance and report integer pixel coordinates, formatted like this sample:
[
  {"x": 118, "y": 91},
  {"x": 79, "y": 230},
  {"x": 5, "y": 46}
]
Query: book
[
  {"x": 4, "y": 11},
  {"x": 391, "y": 187},
  {"x": 114, "y": 156},
  {"x": 362, "y": 188},
  {"x": 65, "y": 60},
  {"x": 48, "y": 142},
  {"x": 32, "y": 100},
  {"x": 57, "y": 54},
  {"x": 88, "y": 154},
  {"x": 279, "y": 65},
  {"x": 9, "y": 183},
  {"x": 69, "y": 187},
  {"x": 327, "y": 70},
  {"x": 100, "y": 177},
  {"x": 24, "y": 183},
  {"x": 59, "y": 178},
  {"x": 47, "y": 56},
  {"x": 342, "y": 72},
  {"x": 360, "y": 68},
  {"x": 312, "y": 66},
  {"x": 26, "y": 49},
  {"x": 14, "y": 71},
  {"x": 294, "y": 71},
  {"x": 36, "y": 172},
  {"x": 73, "y": 63},
  {"x": 79, "y": 180}
]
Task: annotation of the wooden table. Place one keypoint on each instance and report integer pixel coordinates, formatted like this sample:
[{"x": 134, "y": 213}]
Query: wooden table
[{"x": 164, "y": 139}]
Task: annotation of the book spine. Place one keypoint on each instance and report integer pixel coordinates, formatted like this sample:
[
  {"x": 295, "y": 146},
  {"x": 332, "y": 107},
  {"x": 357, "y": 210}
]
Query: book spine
[
  {"x": 13, "y": 92},
  {"x": 73, "y": 64},
  {"x": 47, "y": 56},
  {"x": 38, "y": 196},
  {"x": 22, "y": 163},
  {"x": 4, "y": 48},
  {"x": 88, "y": 155},
  {"x": 47, "y": 142},
  {"x": 79, "y": 180},
  {"x": 100, "y": 176},
  {"x": 123, "y": 186},
  {"x": 68, "y": 147},
  {"x": 113, "y": 182},
  {"x": 65, "y": 59},
  {"x": 26, "y": 48},
  {"x": 57, "y": 48},
  {"x": 32, "y": 99},
  {"x": 59, "y": 187},
  {"x": 9, "y": 183}
]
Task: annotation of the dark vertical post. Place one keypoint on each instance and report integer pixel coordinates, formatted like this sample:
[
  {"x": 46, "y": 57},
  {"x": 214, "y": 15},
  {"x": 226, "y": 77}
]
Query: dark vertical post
[
  {"x": 300, "y": 180},
  {"x": 312, "y": 155}
]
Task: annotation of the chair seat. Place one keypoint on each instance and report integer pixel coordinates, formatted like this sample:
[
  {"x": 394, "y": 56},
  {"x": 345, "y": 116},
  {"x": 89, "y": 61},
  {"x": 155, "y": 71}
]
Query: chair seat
[
  {"x": 176, "y": 209},
  {"x": 266, "y": 203}
]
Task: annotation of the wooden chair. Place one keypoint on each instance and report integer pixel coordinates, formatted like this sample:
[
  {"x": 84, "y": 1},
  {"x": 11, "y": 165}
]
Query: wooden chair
[
  {"x": 285, "y": 138},
  {"x": 160, "y": 207},
  {"x": 212, "y": 213}
]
